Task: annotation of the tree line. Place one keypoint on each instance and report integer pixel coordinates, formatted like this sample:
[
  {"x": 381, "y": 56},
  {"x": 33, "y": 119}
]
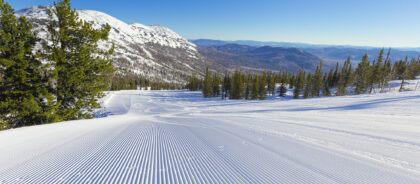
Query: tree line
[
  {"x": 133, "y": 82},
  {"x": 63, "y": 80},
  {"x": 366, "y": 77}
]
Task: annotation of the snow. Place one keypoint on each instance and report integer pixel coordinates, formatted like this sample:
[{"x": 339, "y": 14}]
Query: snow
[
  {"x": 134, "y": 43},
  {"x": 121, "y": 32},
  {"x": 180, "y": 137}
]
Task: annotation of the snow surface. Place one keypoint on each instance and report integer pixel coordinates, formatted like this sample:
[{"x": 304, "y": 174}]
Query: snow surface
[{"x": 179, "y": 137}]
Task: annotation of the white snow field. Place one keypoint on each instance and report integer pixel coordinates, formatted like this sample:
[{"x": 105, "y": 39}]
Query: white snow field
[{"x": 179, "y": 137}]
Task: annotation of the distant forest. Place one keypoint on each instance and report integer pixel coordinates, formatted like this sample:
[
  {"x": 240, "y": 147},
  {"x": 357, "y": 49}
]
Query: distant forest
[{"x": 363, "y": 79}]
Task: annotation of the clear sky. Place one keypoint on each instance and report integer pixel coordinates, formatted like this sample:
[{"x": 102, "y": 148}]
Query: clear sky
[{"x": 383, "y": 23}]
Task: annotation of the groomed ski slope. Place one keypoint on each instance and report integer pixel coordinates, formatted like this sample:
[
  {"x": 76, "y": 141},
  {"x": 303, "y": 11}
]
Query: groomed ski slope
[{"x": 179, "y": 137}]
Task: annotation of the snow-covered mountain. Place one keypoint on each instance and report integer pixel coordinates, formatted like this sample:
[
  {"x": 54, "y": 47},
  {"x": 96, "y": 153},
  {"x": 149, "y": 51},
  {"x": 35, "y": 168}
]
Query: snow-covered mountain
[{"x": 152, "y": 51}]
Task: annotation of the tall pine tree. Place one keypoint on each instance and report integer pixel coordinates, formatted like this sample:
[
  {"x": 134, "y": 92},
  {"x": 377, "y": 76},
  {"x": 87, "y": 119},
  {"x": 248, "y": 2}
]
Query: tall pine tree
[
  {"x": 82, "y": 70},
  {"x": 24, "y": 97}
]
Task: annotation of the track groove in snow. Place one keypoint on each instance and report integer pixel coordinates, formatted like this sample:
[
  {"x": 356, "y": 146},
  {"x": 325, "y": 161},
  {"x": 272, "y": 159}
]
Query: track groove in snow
[{"x": 177, "y": 137}]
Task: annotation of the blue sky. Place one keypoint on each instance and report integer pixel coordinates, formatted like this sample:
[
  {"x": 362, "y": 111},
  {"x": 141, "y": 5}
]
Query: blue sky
[{"x": 383, "y": 23}]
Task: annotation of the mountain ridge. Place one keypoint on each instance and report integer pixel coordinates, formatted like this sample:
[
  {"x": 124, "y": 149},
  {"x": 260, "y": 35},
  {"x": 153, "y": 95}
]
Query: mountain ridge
[
  {"x": 154, "y": 52},
  {"x": 331, "y": 53}
]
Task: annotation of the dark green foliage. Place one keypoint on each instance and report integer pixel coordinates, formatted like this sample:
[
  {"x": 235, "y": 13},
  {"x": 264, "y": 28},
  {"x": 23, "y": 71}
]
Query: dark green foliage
[
  {"x": 248, "y": 86},
  {"x": 326, "y": 86},
  {"x": 207, "y": 87},
  {"x": 362, "y": 75},
  {"x": 82, "y": 70},
  {"x": 292, "y": 80},
  {"x": 336, "y": 77},
  {"x": 133, "y": 82},
  {"x": 402, "y": 72},
  {"x": 226, "y": 85},
  {"x": 345, "y": 78},
  {"x": 263, "y": 82},
  {"x": 24, "y": 96},
  {"x": 216, "y": 85},
  {"x": 317, "y": 81},
  {"x": 308, "y": 86},
  {"x": 282, "y": 90},
  {"x": 271, "y": 83},
  {"x": 255, "y": 88},
  {"x": 300, "y": 82},
  {"x": 376, "y": 72},
  {"x": 237, "y": 90},
  {"x": 194, "y": 83},
  {"x": 386, "y": 71}
]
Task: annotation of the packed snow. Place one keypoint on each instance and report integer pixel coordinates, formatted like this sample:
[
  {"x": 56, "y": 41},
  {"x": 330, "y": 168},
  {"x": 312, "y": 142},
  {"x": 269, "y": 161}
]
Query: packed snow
[{"x": 180, "y": 137}]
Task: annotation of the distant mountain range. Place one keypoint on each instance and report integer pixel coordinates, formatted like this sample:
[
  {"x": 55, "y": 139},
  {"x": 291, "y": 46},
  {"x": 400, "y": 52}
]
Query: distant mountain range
[
  {"x": 256, "y": 59},
  {"x": 329, "y": 53}
]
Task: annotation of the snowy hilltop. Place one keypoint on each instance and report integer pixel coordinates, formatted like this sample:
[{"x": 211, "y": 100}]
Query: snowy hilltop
[{"x": 155, "y": 52}]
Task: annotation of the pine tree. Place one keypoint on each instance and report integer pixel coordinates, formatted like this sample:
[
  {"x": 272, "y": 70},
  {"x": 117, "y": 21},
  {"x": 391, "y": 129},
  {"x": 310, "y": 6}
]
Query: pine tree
[
  {"x": 272, "y": 83},
  {"x": 300, "y": 81},
  {"x": 263, "y": 82},
  {"x": 282, "y": 90},
  {"x": 326, "y": 86},
  {"x": 226, "y": 86},
  {"x": 362, "y": 74},
  {"x": 387, "y": 71},
  {"x": 216, "y": 85},
  {"x": 403, "y": 72},
  {"x": 24, "y": 96},
  {"x": 377, "y": 72},
  {"x": 308, "y": 86},
  {"x": 82, "y": 70},
  {"x": 193, "y": 84},
  {"x": 317, "y": 81},
  {"x": 237, "y": 91},
  {"x": 255, "y": 88},
  {"x": 336, "y": 76},
  {"x": 248, "y": 86},
  {"x": 292, "y": 80},
  {"x": 207, "y": 88},
  {"x": 345, "y": 78}
]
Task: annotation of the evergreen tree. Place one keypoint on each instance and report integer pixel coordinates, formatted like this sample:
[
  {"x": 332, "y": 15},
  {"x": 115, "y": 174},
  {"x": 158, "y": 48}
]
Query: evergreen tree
[
  {"x": 216, "y": 85},
  {"x": 237, "y": 91},
  {"x": 82, "y": 70},
  {"x": 255, "y": 88},
  {"x": 292, "y": 80},
  {"x": 377, "y": 71},
  {"x": 386, "y": 71},
  {"x": 403, "y": 72},
  {"x": 300, "y": 81},
  {"x": 207, "y": 88},
  {"x": 308, "y": 86},
  {"x": 330, "y": 78},
  {"x": 282, "y": 90},
  {"x": 271, "y": 83},
  {"x": 263, "y": 82},
  {"x": 345, "y": 78},
  {"x": 317, "y": 81},
  {"x": 362, "y": 74},
  {"x": 326, "y": 86},
  {"x": 226, "y": 86},
  {"x": 336, "y": 76},
  {"x": 193, "y": 84},
  {"x": 24, "y": 96},
  {"x": 248, "y": 86}
]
